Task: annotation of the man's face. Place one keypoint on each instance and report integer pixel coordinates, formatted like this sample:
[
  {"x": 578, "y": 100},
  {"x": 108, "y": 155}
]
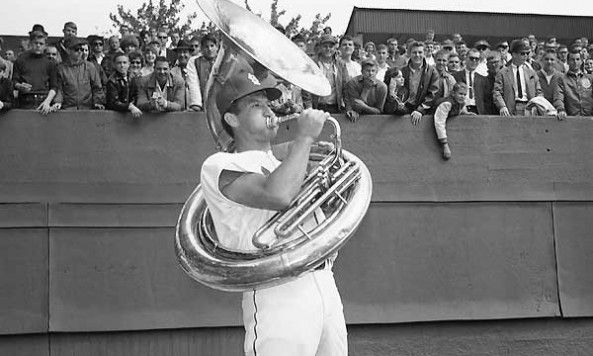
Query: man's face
[
  {"x": 441, "y": 62},
  {"x": 85, "y": 52},
  {"x": 155, "y": 47},
  {"x": 113, "y": 43},
  {"x": 130, "y": 48},
  {"x": 392, "y": 47},
  {"x": 122, "y": 64},
  {"x": 459, "y": 95},
  {"x": 327, "y": 49},
  {"x": 302, "y": 45},
  {"x": 493, "y": 65},
  {"x": 519, "y": 58},
  {"x": 574, "y": 62},
  {"x": 563, "y": 54},
  {"x": 251, "y": 120},
  {"x": 52, "y": 53},
  {"x": 175, "y": 38},
  {"x": 369, "y": 72},
  {"x": 382, "y": 55},
  {"x": 472, "y": 61},
  {"x": 549, "y": 61},
  {"x": 76, "y": 53},
  {"x": 460, "y": 48},
  {"x": 429, "y": 48},
  {"x": 347, "y": 48},
  {"x": 69, "y": 32},
  {"x": 417, "y": 55},
  {"x": 162, "y": 37},
  {"x": 149, "y": 56},
  {"x": 195, "y": 46},
  {"x": 37, "y": 45},
  {"x": 209, "y": 50},
  {"x": 124, "y": 30},
  {"x": 504, "y": 47},
  {"x": 161, "y": 69},
  {"x": 589, "y": 65},
  {"x": 97, "y": 46},
  {"x": 10, "y": 55},
  {"x": 183, "y": 57},
  {"x": 454, "y": 64}
]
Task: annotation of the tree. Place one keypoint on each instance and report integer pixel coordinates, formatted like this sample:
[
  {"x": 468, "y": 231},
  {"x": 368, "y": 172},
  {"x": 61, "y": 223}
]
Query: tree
[{"x": 154, "y": 16}]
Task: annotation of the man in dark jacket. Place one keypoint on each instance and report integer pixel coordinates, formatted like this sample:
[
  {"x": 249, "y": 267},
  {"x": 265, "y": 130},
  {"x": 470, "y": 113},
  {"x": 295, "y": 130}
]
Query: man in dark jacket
[
  {"x": 483, "y": 86},
  {"x": 421, "y": 80},
  {"x": 79, "y": 84},
  {"x": 120, "y": 93},
  {"x": 573, "y": 93}
]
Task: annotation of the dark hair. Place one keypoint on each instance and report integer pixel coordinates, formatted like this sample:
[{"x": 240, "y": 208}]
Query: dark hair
[
  {"x": 381, "y": 46},
  {"x": 208, "y": 37},
  {"x": 416, "y": 44},
  {"x": 35, "y": 35},
  {"x": 443, "y": 53},
  {"x": 160, "y": 59},
  {"x": 136, "y": 55},
  {"x": 120, "y": 54},
  {"x": 346, "y": 38},
  {"x": 458, "y": 86}
]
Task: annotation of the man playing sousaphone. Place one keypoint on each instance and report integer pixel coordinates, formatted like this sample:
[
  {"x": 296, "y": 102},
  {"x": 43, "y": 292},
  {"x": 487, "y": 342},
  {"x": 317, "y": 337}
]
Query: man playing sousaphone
[{"x": 243, "y": 190}]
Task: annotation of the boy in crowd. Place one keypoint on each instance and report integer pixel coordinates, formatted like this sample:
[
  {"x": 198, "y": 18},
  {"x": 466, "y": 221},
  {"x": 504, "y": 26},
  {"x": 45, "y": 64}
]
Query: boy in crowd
[
  {"x": 35, "y": 76},
  {"x": 6, "y": 90},
  {"x": 382, "y": 66},
  {"x": 120, "y": 95},
  {"x": 353, "y": 68},
  {"x": 448, "y": 107},
  {"x": 198, "y": 71},
  {"x": 365, "y": 94}
]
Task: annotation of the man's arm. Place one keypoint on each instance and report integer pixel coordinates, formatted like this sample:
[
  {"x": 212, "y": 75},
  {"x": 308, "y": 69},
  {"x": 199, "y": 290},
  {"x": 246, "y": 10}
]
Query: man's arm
[
  {"x": 193, "y": 83},
  {"x": 276, "y": 191},
  {"x": 178, "y": 100},
  {"x": 143, "y": 101}
]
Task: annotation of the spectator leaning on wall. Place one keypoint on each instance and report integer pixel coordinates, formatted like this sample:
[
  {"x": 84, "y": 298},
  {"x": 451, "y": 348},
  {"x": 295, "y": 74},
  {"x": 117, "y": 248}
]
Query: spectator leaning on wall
[
  {"x": 365, "y": 94},
  {"x": 161, "y": 91},
  {"x": 573, "y": 95}
]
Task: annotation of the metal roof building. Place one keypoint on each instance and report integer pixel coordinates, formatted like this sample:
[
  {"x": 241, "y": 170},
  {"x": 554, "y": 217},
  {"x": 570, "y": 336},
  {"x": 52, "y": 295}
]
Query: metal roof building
[{"x": 379, "y": 24}]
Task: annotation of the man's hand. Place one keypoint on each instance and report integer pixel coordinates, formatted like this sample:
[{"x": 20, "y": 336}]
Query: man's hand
[
  {"x": 99, "y": 107},
  {"x": 352, "y": 115},
  {"x": 561, "y": 115},
  {"x": 505, "y": 112},
  {"x": 56, "y": 107},
  {"x": 310, "y": 123},
  {"x": 416, "y": 116},
  {"x": 44, "y": 108},
  {"x": 23, "y": 87},
  {"x": 161, "y": 103},
  {"x": 136, "y": 113}
]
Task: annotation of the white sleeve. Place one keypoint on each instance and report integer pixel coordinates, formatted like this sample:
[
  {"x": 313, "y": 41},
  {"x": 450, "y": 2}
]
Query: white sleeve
[{"x": 193, "y": 83}]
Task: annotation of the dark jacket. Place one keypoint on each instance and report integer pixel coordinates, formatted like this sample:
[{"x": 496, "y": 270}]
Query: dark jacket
[
  {"x": 374, "y": 98},
  {"x": 147, "y": 87},
  {"x": 119, "y": 92},
  {"x": 548, "y": 89},
  {"x": 427, "y": 90},
  {"x": 100, "y": 69},
  {"x": 574, "y": 94},
  {"x": 6, "y": 93},
  {"x": 483, "y": 87},
  {"x": 79, "y": 86}
]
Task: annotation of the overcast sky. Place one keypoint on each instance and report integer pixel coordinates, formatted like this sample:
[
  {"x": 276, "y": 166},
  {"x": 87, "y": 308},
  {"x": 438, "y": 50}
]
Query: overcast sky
[{"x": 91, "y": 16}]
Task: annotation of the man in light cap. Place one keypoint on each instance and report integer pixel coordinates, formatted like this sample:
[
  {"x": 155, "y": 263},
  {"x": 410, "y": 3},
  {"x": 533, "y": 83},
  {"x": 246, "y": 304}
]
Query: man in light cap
[
  {"x": 335, "y": 72},
  {"x": 243, "y": 190},
  {"x": 516, "y": 84}
]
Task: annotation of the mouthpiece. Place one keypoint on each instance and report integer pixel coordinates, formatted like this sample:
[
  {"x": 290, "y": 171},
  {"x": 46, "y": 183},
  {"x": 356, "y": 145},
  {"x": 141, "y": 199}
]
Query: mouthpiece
[{"x": 273, "y": 121}]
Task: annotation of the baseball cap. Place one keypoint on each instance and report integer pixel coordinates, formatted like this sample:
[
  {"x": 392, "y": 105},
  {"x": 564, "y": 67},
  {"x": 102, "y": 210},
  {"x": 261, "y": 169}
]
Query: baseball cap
[
  {"x": 243, "y": 83},
  {"x": 519, "y": 46},
  {"x": 327, "y": 38},
  {"x": 75, "y": 42},
  {"x": 482, "y": 43}
]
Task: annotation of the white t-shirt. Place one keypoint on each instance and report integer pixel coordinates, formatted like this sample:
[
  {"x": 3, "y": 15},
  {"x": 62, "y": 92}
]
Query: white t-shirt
[{"x": 235, "y": 223}]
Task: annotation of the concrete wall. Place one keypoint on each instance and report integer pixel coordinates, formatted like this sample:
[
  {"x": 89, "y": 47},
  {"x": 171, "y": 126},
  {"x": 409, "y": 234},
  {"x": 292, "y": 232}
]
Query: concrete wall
[{"x": 488, "y": 253}]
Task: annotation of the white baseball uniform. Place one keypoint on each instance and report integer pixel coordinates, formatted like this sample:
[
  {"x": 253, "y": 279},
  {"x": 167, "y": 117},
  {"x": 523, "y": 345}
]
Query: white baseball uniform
[{"x": 301, "y": 317}]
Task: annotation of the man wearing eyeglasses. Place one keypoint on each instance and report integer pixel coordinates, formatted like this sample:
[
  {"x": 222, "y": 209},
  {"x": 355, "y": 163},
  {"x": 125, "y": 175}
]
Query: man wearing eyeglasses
[
  {"x": 516, "y": 84},
  {"x": 97, "y": 56},
  {"x": 468, "y": 76}
]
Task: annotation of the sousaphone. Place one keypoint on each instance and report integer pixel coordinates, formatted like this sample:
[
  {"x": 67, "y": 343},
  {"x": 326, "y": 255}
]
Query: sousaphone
[{"x": 340, "y": 184}]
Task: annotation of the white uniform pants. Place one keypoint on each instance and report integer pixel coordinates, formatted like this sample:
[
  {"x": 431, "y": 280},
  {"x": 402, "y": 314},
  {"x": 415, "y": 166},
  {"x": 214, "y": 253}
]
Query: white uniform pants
[{"x": 303, "y": 317}]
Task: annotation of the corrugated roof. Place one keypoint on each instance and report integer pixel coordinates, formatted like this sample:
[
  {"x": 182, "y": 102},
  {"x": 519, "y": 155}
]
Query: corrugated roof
[{"x": 372, "y": 20}]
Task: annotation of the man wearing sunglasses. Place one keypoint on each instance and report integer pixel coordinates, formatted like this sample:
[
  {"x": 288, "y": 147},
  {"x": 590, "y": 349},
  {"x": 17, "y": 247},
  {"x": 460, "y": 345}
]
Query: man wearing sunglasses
[
  {"x": 79, "y": 84},
  {"x": 468, "y": 76},
  {"x": 516, "y": 84}
]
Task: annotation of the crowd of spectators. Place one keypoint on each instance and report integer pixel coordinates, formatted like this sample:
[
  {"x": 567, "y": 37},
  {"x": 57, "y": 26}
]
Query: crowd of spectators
[{"x": 159, "y": 70}]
